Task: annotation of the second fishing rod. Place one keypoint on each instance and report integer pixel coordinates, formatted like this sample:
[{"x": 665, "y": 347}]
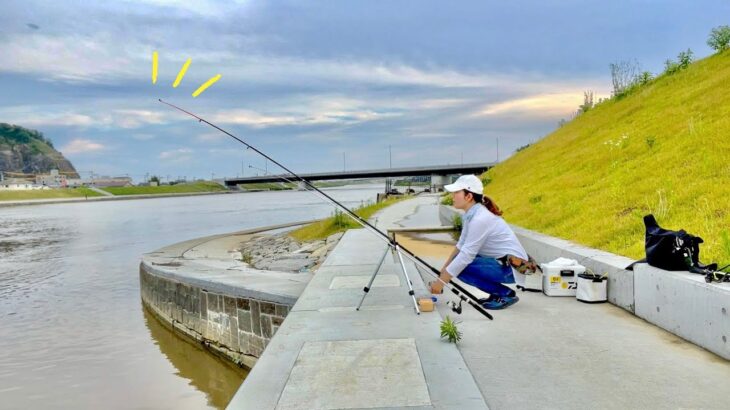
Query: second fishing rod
[{"x": 457, "y": 289}]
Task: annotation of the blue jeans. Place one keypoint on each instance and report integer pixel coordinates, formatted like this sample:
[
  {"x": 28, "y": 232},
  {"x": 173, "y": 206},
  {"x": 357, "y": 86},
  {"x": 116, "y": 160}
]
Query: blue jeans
[{"x": 488, "y": 275}]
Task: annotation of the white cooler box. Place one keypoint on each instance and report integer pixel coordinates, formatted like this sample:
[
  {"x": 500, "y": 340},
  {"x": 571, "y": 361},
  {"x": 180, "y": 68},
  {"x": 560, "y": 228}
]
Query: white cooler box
[
  {"x": 591, "y": 288},
  {"x": 559, "y": 277}
]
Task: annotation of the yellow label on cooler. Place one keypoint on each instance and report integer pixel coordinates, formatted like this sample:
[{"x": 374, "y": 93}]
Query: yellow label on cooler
[{"x": 555, "y": 279}]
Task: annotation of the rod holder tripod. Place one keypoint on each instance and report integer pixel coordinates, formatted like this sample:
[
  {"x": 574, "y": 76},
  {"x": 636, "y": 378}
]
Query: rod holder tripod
[{"x": 395, "y": 249}]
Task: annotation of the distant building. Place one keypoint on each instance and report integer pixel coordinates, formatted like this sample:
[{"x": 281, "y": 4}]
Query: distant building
[
  {"x": 52, "y": 180},
  {"x": 111, "y": 181},
  {"x": 99, "y": 182},
  {"x": 19, "y": 184}
]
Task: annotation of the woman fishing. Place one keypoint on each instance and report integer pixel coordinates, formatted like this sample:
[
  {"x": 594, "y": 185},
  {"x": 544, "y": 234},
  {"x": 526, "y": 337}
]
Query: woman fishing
[{"x": 487, "y": 249}]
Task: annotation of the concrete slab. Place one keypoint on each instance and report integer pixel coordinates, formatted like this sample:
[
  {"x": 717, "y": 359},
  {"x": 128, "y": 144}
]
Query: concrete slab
[
  {"x": 347, "y": 374},
  {"x": 360, "y": 281},
  {"x": 450, "y": 384},
  {"x": 685, "y": 305}
]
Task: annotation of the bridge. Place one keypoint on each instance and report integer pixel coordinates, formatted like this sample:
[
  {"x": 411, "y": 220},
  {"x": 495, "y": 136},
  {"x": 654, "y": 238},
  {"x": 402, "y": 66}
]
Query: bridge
[{"x": 439, "y": 174}]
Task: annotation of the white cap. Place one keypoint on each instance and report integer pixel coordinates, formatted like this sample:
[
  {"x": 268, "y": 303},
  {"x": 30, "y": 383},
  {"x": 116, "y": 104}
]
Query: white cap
[{"x": 469, "y": 182}]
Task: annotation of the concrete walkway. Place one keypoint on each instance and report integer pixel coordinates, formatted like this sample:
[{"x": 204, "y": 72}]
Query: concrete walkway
[
  {"x": 542, "y": 353},
  {"x": 100, "y": 191},
  {"x": 326, "y": 355}
]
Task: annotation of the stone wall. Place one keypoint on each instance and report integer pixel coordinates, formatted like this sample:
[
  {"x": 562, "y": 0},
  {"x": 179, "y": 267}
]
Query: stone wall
[{"x": 234, "y": 326}]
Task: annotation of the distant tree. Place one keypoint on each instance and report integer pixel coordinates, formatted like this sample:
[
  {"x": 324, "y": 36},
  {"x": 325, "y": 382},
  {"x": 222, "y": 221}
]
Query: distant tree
[
  {"x": 685, "y": 58},
  {"x": 719, "y": 38},
  {"x": 155, "y": 178},
  {"x": 623, "y": 75}
]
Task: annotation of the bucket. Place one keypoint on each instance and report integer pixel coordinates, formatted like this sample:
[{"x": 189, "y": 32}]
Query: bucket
[{"x": 591, "y": 288}]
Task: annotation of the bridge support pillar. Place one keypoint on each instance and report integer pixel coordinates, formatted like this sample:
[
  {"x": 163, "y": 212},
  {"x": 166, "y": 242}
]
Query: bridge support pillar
[
  {"x": 301, "y": 186},
  {"x": 438, "y": 181}
]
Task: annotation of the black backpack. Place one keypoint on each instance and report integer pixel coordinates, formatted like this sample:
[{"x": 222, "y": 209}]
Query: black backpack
[{"x": 672, "y": 250}]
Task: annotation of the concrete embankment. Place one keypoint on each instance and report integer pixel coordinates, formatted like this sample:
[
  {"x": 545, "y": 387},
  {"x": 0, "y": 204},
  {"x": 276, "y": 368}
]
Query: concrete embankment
[{"x": 203, "y": 290}]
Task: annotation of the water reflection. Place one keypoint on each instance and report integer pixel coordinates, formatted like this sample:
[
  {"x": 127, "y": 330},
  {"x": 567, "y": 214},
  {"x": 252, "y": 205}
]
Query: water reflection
[{"x": 204, "y": 371}]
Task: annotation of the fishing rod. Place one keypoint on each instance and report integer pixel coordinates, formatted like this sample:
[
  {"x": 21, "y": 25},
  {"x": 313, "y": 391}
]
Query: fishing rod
[{"x": 458, "y": 290}]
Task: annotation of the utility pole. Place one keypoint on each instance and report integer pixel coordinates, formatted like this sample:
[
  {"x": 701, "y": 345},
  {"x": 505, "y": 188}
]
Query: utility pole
[
  {"x": 390, "y": 155},
  {"x": 497, "y": 149}
]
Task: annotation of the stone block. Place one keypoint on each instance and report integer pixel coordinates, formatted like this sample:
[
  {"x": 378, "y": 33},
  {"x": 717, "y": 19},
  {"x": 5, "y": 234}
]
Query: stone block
[
  {"x": 204, "y": 305},
  {"x": 255, "y": 316},
  {"x": 267, "y": 308},
  {"x": 244, "y": 345},
  {"x": 281, "y": 310},
  {"x": 276, "y": 320},
  {"x": 229, "y": 305},
  {"x": 244, "y": 320},
  {"x": 266, "y": 326},
  {"x": 233, "y": 330},
  {"x": 243, "y": 304}
]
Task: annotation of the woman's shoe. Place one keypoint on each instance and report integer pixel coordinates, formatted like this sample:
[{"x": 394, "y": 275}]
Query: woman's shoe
[{"x": 499, "y": 302}]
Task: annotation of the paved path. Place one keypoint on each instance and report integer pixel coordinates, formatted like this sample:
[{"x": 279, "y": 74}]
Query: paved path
[{"x": 542, "y": 353}]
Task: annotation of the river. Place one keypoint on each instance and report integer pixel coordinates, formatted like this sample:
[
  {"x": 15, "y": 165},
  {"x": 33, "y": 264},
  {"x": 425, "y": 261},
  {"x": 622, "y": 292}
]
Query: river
[{"x": 73, "y": 332}]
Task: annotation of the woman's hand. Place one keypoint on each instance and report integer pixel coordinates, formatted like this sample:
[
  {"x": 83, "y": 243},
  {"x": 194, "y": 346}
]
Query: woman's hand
[{"x": 437, "y": 286}]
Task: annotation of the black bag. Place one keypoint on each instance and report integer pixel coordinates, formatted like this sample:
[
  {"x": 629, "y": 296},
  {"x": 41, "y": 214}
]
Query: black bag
[{"x": 672, "y": 250}]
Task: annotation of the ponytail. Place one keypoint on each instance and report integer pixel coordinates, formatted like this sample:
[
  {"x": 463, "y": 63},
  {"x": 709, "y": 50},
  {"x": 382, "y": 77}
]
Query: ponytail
[{"x": 488, "y": 203}]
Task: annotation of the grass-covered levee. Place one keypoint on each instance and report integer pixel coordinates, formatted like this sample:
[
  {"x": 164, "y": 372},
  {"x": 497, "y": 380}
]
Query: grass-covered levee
[{"x": 663, "y": 148}]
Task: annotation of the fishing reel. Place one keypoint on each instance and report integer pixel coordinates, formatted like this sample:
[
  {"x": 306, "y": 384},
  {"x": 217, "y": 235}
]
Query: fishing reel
[{"x": 454, "y": 306}]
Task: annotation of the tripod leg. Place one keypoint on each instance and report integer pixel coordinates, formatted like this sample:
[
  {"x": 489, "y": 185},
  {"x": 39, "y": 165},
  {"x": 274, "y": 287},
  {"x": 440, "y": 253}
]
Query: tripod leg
[
  {"x": 408, "y": 281},
  {"x": 366, "y": 289}
]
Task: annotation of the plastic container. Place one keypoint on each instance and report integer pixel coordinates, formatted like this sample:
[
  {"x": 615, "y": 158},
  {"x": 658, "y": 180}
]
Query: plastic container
[
  {"x": 592, "y": 288},
  {"x": 559, "y": 277}
]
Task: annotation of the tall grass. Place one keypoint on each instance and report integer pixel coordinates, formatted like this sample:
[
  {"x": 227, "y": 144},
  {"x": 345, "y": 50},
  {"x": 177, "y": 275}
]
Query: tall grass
[
  {"x": 664, "y": 149},
  {"x": 339, "y": 221}
]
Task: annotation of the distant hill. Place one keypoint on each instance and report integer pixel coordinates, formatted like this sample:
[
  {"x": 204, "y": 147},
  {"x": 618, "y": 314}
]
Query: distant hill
[
  {"x": 27, "y": 151},
  {"x": 662, "y": 149}
]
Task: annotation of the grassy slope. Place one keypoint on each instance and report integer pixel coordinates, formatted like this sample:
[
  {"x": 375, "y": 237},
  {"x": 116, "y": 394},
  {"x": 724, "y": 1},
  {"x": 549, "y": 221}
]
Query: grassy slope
[
  {"x": 166, "y": 189},
  {"x": 329, "y": 226},
  {"x": 576, "y": 185},
  {"x": 46, "y": 194}
]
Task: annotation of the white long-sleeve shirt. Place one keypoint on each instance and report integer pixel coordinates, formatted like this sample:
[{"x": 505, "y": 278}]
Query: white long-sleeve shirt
[{"x": 485, "y": 234}]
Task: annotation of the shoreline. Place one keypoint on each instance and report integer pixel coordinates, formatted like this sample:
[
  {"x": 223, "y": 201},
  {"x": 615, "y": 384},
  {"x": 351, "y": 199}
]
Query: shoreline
[{"x": 52, "y": 201}]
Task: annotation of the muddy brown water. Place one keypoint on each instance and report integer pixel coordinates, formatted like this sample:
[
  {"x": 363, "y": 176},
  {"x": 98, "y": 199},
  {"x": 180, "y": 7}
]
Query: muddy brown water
[{"x": 73, "y": 333}]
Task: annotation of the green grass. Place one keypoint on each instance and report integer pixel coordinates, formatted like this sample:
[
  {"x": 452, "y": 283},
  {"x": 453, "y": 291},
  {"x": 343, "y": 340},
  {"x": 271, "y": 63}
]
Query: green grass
[
  {"x": 47, "y": 194},
  {"x": 339, "y": 222},
  {"x": 268, "y": 186},
  {"x": 167, "y": 189},
  {"x": 412, "y": 183},
  {"x": 663, "y": 149}
]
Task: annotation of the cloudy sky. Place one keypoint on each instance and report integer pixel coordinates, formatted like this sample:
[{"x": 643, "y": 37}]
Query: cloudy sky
[{"x": 437, "y": 81}]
